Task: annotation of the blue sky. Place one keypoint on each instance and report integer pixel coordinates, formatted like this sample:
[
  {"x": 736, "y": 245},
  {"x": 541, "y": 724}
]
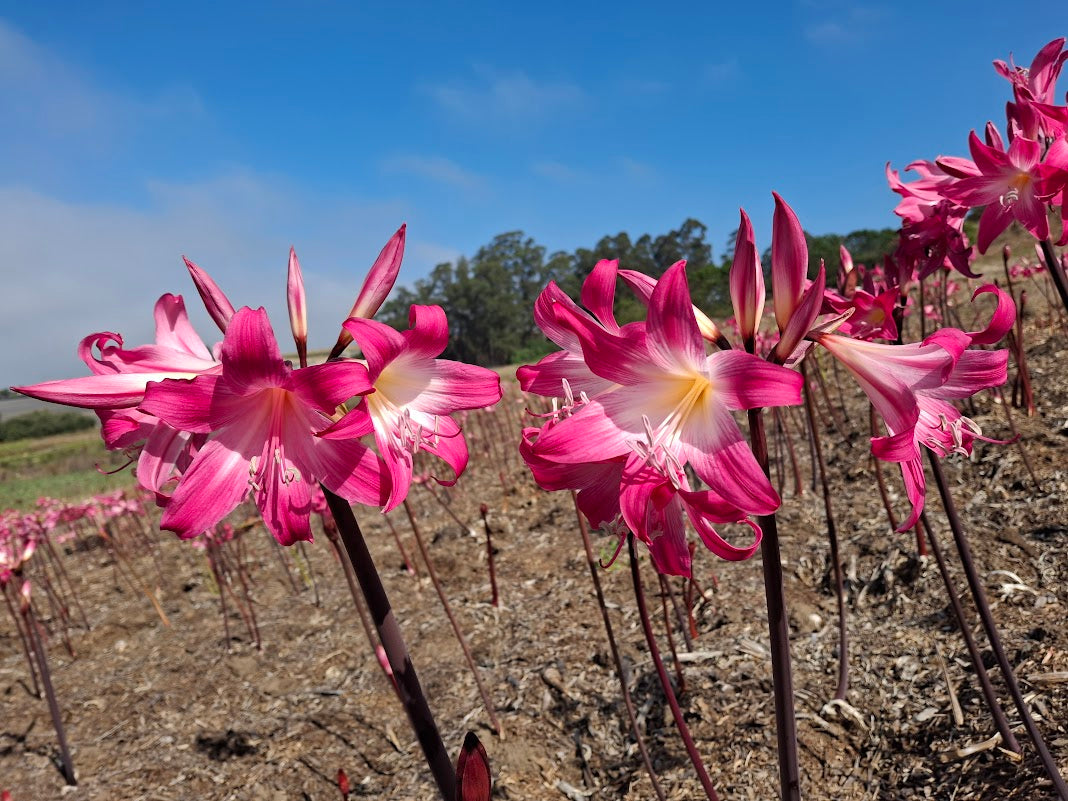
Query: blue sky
[{"x": 228, "y": 131}]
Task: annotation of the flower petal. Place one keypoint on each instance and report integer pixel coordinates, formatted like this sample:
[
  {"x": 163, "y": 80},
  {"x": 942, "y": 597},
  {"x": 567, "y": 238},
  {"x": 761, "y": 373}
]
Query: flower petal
[
  {"x": 547, "y": 376},
  {"x": 789, "y": 261},
  {"x": 326, "y": 386},
  {"x": 219, "y": 307},
  {"x": 744, "y": 381},
  {"x": 113, "y": 391},
  {"x": 381, "y": 277},
  {"x": 250, "y": 355},
  {"x": 715, "y": 542},
  {"x": 159, "y": 456},
  {"x": 174, "y": 331},
  {"x": 599, "y": 292},
  {"x": 673, "y": 337},
  {"x": 298, "y": 306},
  {"x": 215, "y": 483},
  {"x": 453, "y": 386},
  {"x": 714, "y": 446},
  {"x": 379, "y": 343},
  {"x": 747, "y": 280},
  {"x": 352, "y": 470},
  {"x": 201, "y": 405}
]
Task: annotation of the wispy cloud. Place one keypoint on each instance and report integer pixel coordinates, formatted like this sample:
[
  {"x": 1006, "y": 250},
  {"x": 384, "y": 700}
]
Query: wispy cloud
[
  {"x": 432, "y": 253},
  {"x": 638, "y": 170},
  {"x": 722, "y": 72},
  {"x": 73, "y": 265},
  {"x": 841, "y": 25},
  {"x": 559, "y": 173},
  {"x": 50, "y": 104},
  {"x": 437, "y": 169},
  {"x": 512, "y": 98},
  {"x": 644, "y": 86}
]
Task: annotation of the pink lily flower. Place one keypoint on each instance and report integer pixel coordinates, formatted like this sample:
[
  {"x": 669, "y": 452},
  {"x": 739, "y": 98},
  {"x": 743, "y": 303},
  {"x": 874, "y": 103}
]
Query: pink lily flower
[
  {"x": 1013, "y": 185},
  {"x": 119, "y": 381},
  {"x": 121, "y": 375},
  {"x": 871, "y": 317},
  {"x": 1037, "y": 82},
  {"x": 414, "y": 394},
  {"x": 932, "y": 231},
  {"x": 553, "y": 313},
  {"x": 667, "y": 404},
  {"x": 910, "y": 386},
  {"x": 1036, "y": 113},
  {"x": 263, "y": 416}
]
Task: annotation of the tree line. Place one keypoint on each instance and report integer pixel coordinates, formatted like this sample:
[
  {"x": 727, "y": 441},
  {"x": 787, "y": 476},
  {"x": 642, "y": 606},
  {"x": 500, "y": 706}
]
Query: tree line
[{"x": 488, "y": 297}]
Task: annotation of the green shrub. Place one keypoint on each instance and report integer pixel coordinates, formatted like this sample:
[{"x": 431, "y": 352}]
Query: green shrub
[{"x": 43, "y": 424}]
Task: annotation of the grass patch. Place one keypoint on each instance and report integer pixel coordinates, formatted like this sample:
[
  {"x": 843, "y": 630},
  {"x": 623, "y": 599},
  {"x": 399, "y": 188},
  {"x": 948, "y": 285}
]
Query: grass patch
[
  {"x": 61, "y": 466},
  {"x": 22, "y": 492},
  {"x": 55, "y": 454}
]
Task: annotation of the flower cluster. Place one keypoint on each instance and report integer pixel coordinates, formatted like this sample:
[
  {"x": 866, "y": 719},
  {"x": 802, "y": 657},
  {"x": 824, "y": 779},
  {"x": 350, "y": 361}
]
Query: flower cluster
[
  {"x": 211, "y": 427},
  {"x": 1016, "y": 177},
  {"x": 647, "y": 415},
  {"x": 641, "y": 420}
]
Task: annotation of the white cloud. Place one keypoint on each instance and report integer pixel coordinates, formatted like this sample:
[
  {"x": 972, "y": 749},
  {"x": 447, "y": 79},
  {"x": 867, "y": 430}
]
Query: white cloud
[
  {"x": 506, "y": 98},
  {"x": 431, "y": 253},
  {"x": 75, "y": 268},
  {"x": 436, "y": 168}
]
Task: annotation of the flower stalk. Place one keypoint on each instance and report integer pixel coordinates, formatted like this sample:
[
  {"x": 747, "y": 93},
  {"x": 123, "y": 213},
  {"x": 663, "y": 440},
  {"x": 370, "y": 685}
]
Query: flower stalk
[
  {"x": 979, "y": 594},
  {"x": 832, "y": 536},
  {"x": 665, "y": 680},
  {"x": 50, "y": 693},
  {"x": 1000, "y": 721},
  {"x": 487, "y": 702},
  {"x": 628, "y": 703},
  {"x": 410, "y": 691},
  {"x": 778, "y": 631}
]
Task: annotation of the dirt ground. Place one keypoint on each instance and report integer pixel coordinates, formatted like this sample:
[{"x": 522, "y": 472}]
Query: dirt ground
[{"x": 167, "y": 712}]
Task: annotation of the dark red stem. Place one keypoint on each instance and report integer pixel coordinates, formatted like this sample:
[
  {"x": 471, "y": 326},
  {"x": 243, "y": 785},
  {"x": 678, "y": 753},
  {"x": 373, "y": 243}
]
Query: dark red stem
[
  {"x": 778, "y": 630},
  {"x": 979, "y": 594},
  {"x": 627, "y": 701},
  {"x": 389, "y": 633},
  {"x": 665, "y": 680}
]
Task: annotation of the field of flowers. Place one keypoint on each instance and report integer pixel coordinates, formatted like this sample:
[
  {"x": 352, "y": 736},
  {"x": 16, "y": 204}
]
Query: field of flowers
[{"x": 384, "y": 581}]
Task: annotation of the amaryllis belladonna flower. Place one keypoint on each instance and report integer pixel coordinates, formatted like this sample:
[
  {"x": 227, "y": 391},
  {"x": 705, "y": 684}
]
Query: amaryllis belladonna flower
[
  {"x": 414, "y": 394},
  {"x": 663, "y": 403},
  {"x": 263, "y": 416},
  {"x": 1013, "y": 185},
  {"x": 911, "y": 386}
]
